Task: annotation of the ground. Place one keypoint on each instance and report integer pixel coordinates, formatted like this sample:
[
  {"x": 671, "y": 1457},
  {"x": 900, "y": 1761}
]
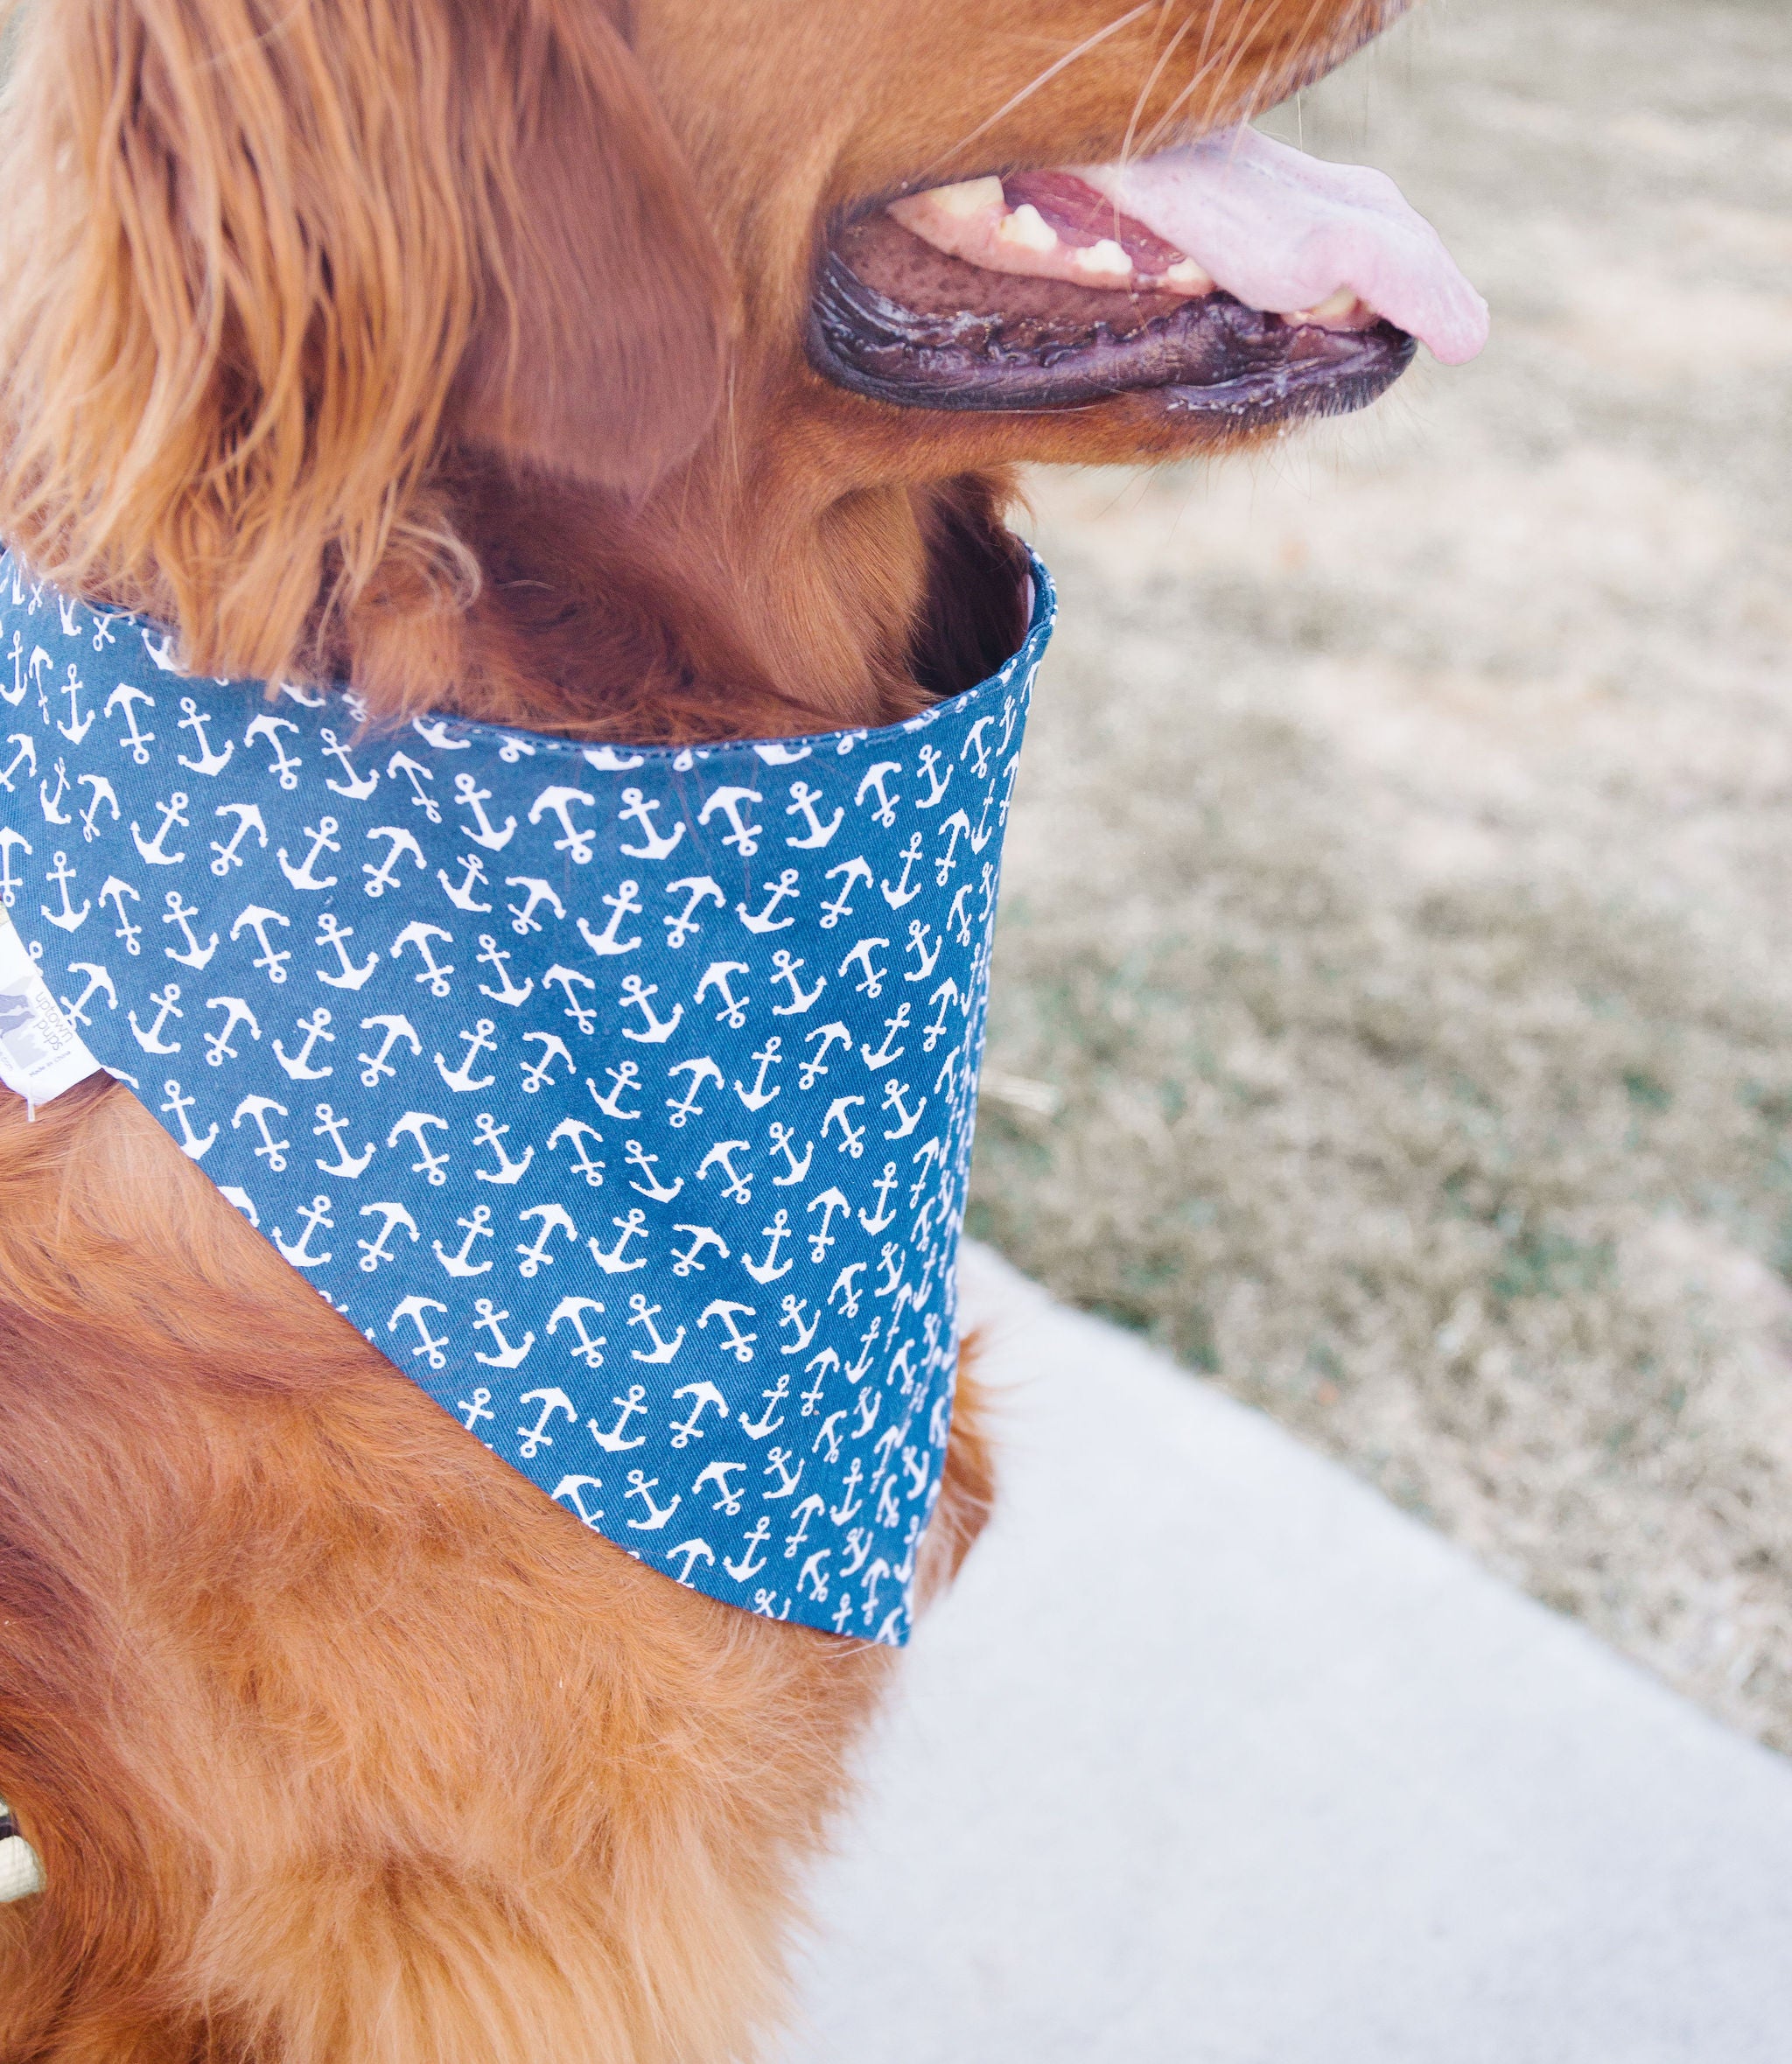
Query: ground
[{"x": 1394, "y": 1001}]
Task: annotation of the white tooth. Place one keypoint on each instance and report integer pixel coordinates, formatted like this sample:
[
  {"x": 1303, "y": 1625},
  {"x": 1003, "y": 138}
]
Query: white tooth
[
  {"x": 968, "y": 198},
  {"x": 1028, "y": 230},
  {"x": 1106, "y": 258},
  {"x": 1339, "y": 311},
  {"x": 1188, "y": 279}
]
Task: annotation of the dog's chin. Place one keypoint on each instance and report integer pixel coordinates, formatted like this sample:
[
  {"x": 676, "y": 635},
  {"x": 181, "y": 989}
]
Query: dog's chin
[{"x": 894, "y": 318}]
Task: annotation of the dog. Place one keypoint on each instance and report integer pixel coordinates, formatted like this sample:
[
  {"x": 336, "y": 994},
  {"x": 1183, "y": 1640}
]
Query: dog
[{"x": 646, "y": 373}]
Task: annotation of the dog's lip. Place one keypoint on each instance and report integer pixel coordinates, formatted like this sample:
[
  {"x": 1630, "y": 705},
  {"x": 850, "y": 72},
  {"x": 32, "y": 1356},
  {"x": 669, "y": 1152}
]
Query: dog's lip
[{"x": 893, "y": 319}]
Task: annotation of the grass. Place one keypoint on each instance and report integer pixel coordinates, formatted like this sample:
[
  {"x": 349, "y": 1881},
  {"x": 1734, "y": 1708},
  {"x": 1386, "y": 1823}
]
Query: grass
[{"x": 1399, "y": 898}]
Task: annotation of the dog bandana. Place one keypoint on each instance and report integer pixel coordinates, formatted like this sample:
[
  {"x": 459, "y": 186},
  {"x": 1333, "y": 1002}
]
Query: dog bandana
[{"x": 622, "y": 1098}]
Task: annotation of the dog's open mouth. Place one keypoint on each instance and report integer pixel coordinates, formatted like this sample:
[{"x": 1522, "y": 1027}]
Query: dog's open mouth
[{"x": 1232, "y": 277}]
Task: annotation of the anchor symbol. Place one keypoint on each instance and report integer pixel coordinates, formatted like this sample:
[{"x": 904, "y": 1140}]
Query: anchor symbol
[
  {"x": 885, "y": 1184},
  {"x": 845, "y": 1288},
  {"x": 331, "y": 933},
  {"x": 982, "y": 834},
  {"x": 478, "y": 1226},
  {"x": 322, "y": 836},
  {"x": 258, "y": 919},
  {"x": 590, "y": 1347},
  {"x": 555, "y": 1219},
  {"x": 478, "y": 1041},
  {"x": 907, "y": 1121},
  {"x": 892, "y": 1260},
  {"x": 625, "y": 1075},
  {"x": 552, "y": 1401},
  {"x": 375, "y": 1064},
  {"x": 776, "y": 1460},
  {"x": 699, "y": 889},
  {"x": 635, "y": 806},
  {"x": 902, "y": 893},
  {"x": 27, "y": 751},
  {"x": 733, "y": 1011},
  {"x": 974, "y": 743},
  {"x": 357, "y": 787},
  {"x": 433, "y": 730},
  {"x": 53, "y": 813},
  {"x": 196, "y": 956},
  {"x": 815, "y": 1064},
  {"x": 491, "y": 1321},
  {"x": 848, "y": 1505},
  {"x": 690, "y": 1551},
  {"x": 269, "y": 728},
  {"x": 757, "y": 1429},
  {"x": 852, "y": 1136},
  {"x": 413, "y": 1309},
  {"x": 430, "y": 1165},
  {"x": 812, "y": 1573},
  {"x": 685, "y": 1262},
  {"x": 644, "y": 1317},
  {"x": 68, "y": 919},
  {"x": 785, "y": 969},
  {"x": 576, "y": 1130},
  {"x": 858, "y": 1548},
  {"x": 315, "y": 1214},
  {"x": 638, "y": 1157},
  {"x": 476, "y": 1410},
  {"x": 490, "y": 1135},
  {"x": 419, "y": 935},
  {"x": 10, "y": 882},
  {"x": 579, "y": 844},
  {"x": 930, "y": 761},
  {"x": 190, "y": 1144},
  {"x": 627, "y": 1408},
  {"x": 770, "y": 1269},
  {"x": 643, "y": 1486},
  {"x": 173, "y": 812},
  {"x": 737, "y": 1187},
  {"x": 885, "y": 812},
  {"x": 249, "y": 818},
  {"x": 738, "y": 1344},
  {"x": 828, "y": 1203},
  {"x": 562, "y": 979},
  {"x": 492, "y": 956},
  {"x": 417, "y": 774},
  {"x": 918, "y": 946},
  {"x": 218, "y": 1047},
  {"x": 882, "y": 1055},
  {"x": 705, "y": 1394},
  {"x": 945, "y": 996},
  {"x": 856, "y": 871},
  {"x": 167, "y": 1005},
  {"x": 114, "y": 892},
  {"x": 727, "y": 1498},
  {"x": 778, "y": 892},
  {"x": 873, "y": 985},
  {"x": 299, "y": 1066},
  {"x": 745, "y": 1566},
  {"x": 522, "y": 915},
  {"x": 619, "y": 906},
  {"x": 97, "y": 979},
  {"x": 103, "y": 793},
  {"x": 611, "y": 1262},
  {"x": 804, "y": 799},
  {"x": 700, "y": 1071},
  {"x": 470, "y": 796},
  {"x": 743, "y": 837},
  {"x": 385, "y": 875},
  {"x": 534, "y": 1073},
  {"x": 758, "y": 1096},
  {"x": 462, "y": 897},
  {"x": 347, "y": 1166},
  {"x": 959, "y": 825},
  {"x": 74, "y": 731},
  {"x": 374, "y": 1251},
  {"x": 794, "y": 1307},
  {"x": 658, "y": 1029},
  {"x": 572, "y": 1489},
  {"x": 824, "y": 1364},
  {"x": 781, "y": 1135}
]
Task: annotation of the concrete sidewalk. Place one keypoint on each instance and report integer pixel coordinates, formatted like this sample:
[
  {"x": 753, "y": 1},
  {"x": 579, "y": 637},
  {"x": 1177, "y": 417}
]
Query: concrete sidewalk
[{"x": 1214, "y": 1758}]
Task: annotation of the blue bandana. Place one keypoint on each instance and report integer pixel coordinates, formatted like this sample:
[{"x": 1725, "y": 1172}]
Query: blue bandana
[{"x": 622, "y": 1098}]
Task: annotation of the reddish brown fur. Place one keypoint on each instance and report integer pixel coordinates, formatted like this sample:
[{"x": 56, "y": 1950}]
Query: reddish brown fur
[{"x": 455, "y": 344}]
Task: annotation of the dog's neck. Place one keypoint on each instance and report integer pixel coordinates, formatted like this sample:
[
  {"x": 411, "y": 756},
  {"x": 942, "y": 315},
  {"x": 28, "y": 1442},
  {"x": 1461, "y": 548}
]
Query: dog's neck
[{"x": 717, "y": 608}]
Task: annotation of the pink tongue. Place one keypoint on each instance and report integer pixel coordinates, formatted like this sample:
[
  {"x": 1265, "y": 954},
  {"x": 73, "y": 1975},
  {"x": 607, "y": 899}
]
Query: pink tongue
[{"x": 1283, "y": 232}]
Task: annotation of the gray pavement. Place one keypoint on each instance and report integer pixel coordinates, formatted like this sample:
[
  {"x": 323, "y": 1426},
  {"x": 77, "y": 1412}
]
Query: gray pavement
[{"x": 1213, "y": 1757}]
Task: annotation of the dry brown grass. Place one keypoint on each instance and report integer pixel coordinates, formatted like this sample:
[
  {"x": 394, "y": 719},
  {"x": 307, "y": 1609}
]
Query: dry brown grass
[{"x": 1399, "y": 892}]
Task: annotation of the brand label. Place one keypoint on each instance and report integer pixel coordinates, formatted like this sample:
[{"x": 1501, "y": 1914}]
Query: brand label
[{"x": 41, "y": 1054}]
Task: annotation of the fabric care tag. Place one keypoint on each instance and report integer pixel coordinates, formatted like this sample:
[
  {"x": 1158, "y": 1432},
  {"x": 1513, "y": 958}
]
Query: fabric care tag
[{"x": 41, "y": 1054}]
